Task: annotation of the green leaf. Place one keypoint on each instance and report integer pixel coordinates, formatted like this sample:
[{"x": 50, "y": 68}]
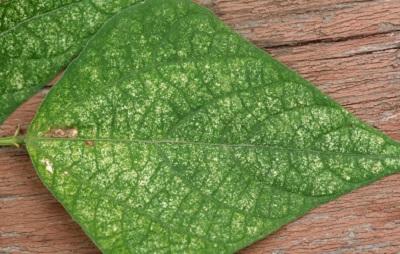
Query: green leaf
[
  {"x": 40, "y": 38},
  {"x": 173, "y": 134}
]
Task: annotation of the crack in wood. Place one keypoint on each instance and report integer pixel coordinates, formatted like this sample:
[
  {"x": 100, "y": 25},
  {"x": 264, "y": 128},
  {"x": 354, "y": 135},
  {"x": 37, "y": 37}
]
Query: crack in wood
[{"x": 327, "y": 40}]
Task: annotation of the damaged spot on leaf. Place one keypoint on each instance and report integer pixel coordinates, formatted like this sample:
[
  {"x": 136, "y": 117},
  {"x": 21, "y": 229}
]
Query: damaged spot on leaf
[
  {"x": 48, "y": 165},
  {"x": 89, "y": 143},
  {"x": 62, "y": 133}
]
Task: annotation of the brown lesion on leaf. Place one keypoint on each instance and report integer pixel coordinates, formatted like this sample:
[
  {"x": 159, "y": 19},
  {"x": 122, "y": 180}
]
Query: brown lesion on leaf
[
  {"x": 89, "y": 143},
  {"x": 62, "y": 133}
]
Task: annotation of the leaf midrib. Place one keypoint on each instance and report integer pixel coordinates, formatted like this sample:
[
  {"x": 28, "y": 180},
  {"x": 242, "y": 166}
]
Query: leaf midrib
[{"x": 30, "y": 139}]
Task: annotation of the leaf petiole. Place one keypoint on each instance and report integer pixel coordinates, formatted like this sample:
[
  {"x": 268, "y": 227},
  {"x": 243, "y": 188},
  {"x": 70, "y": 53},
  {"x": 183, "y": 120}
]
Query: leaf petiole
[
  {"x": 12, "y": 141},
  {"x": 15, "y": 140}
]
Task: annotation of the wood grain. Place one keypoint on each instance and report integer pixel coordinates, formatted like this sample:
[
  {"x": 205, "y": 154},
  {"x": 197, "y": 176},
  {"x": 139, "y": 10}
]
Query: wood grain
[{"x": 349, "y": 48}]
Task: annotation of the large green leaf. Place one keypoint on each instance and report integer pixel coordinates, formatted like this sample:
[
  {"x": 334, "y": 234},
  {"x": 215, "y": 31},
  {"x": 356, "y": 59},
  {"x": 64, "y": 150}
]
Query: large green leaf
[
  {"x": 40, "y": 37},
  {"x": 173, "y": 134}
]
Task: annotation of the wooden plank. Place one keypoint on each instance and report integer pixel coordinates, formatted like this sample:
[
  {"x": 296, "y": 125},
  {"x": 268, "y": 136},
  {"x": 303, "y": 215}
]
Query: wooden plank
[
  {"x": 349, "y": 48},
  {"x": 279, "y": 23}
]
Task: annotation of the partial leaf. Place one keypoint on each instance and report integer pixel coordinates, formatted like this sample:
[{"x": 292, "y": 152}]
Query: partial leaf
[
  {"x": 173, "y": 134},
  {"x": 39, "y": 38}
]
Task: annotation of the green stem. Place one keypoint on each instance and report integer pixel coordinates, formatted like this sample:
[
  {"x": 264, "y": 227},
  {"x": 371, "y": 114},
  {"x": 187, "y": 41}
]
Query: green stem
[{"x": 12, "y": 141}]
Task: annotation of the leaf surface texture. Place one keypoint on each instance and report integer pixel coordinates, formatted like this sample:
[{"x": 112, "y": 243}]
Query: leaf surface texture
[
  {"x": 38, "y": 38},
  {"x": 173, "y": 134}
]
